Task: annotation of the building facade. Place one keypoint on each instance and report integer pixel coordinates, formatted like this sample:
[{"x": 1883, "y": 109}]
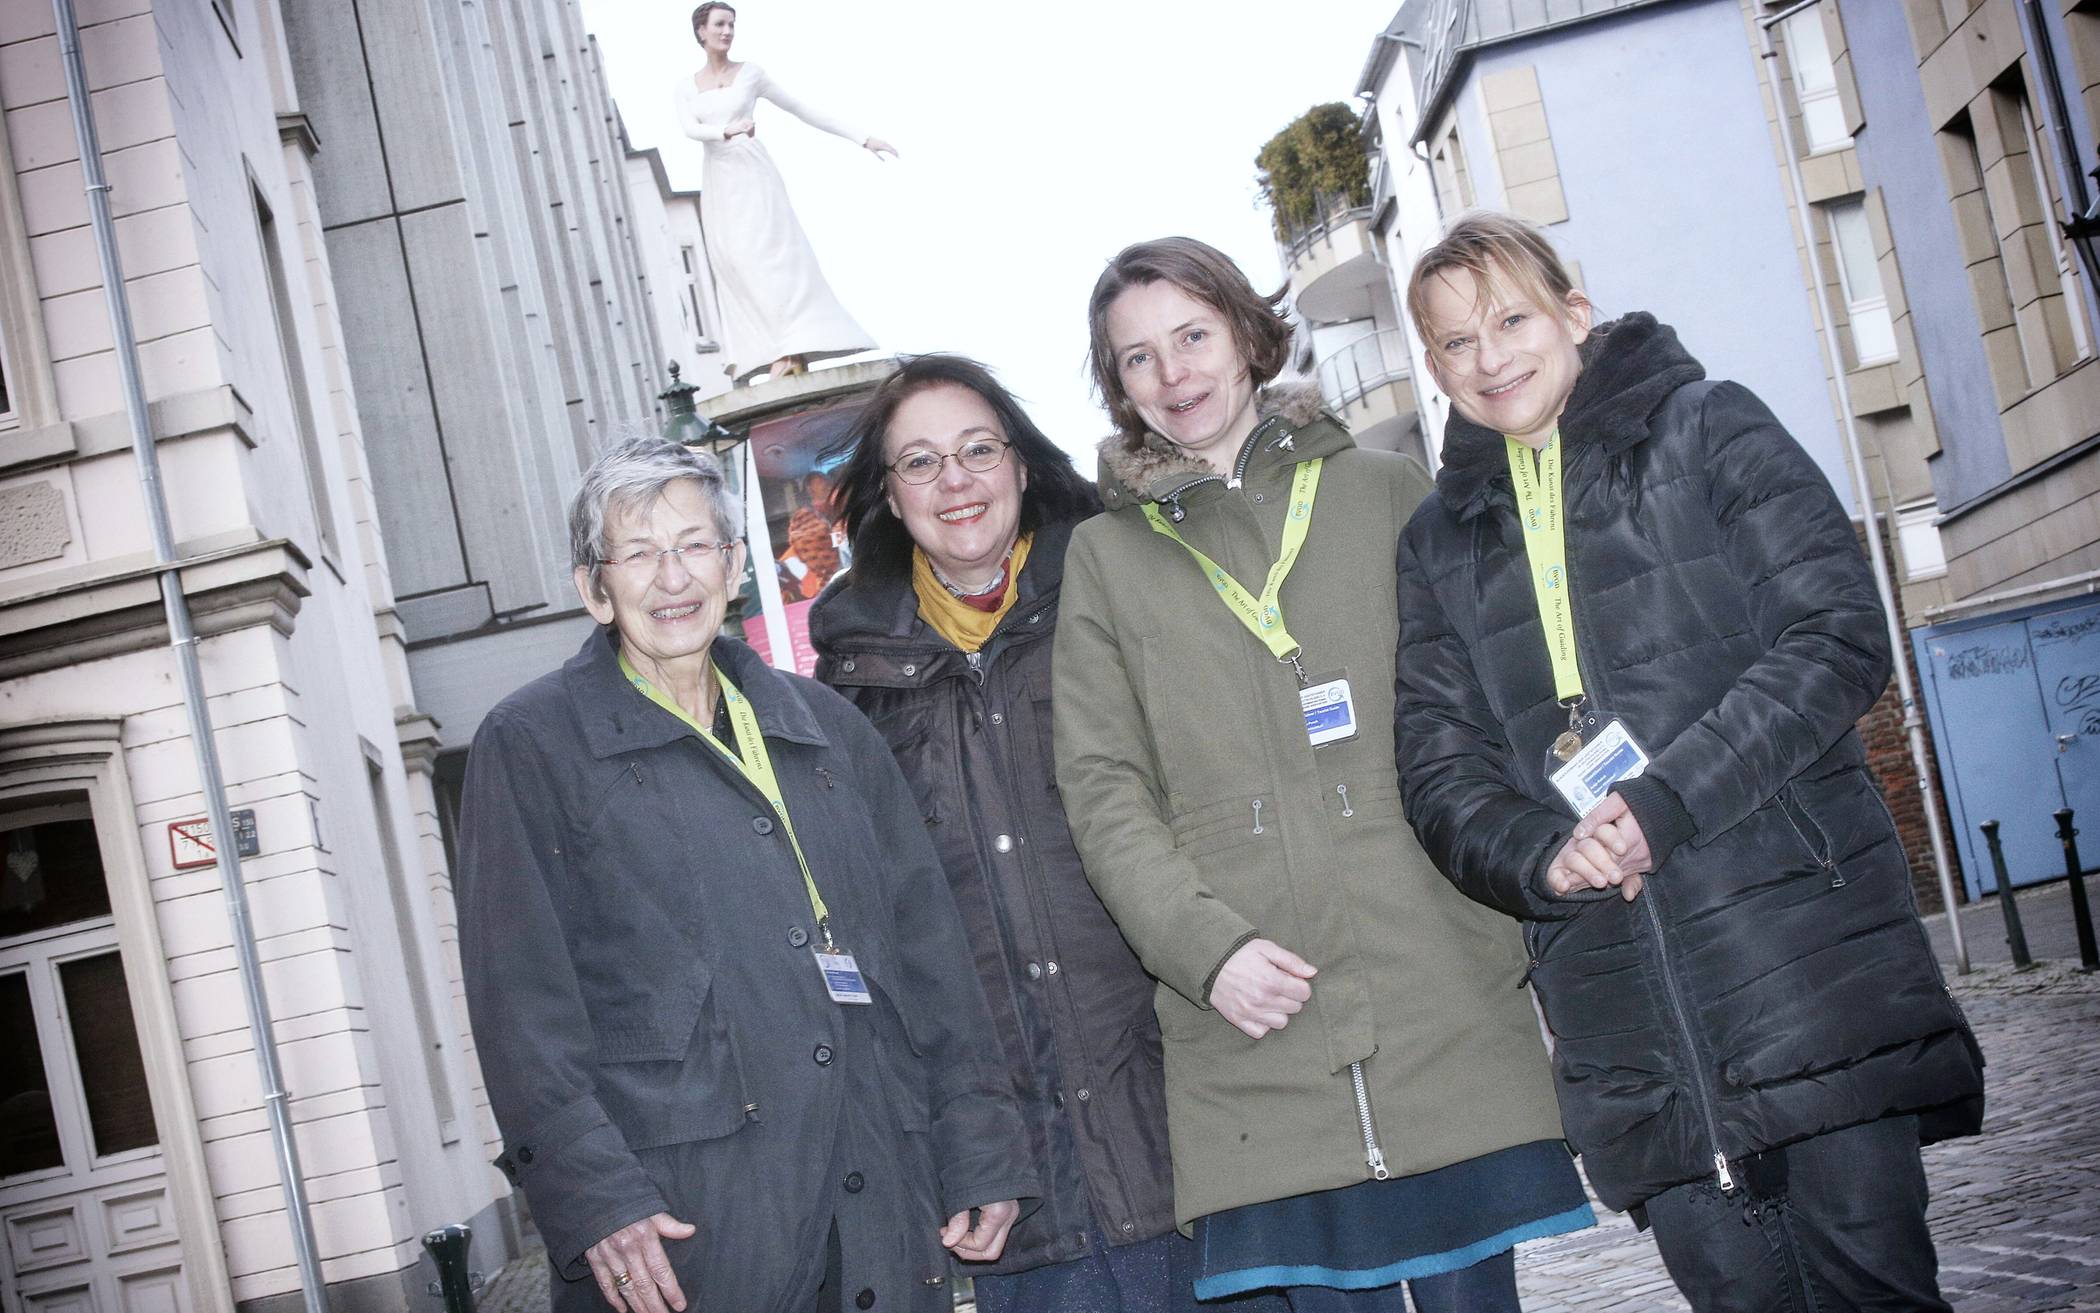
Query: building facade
[{"x": 395, "y": 277}]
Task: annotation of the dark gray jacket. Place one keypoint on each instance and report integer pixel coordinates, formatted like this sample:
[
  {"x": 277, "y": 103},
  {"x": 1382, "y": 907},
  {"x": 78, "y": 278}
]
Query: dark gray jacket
[
  {"x": 1073, "y": 1007},
  {"x": 1772, "y": 982},
  {"x": 650, "y": 1021}
]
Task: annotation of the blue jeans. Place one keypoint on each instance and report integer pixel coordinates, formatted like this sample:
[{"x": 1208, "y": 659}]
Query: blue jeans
[{"x": 1148, "y": 1277}]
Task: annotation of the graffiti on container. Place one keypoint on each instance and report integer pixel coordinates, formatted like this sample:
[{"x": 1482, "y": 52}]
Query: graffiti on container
[
  {"x": 2079, "y": 696},
  {"x": 1984, "y": 660},
  {"x": 2066, "y": 629}
]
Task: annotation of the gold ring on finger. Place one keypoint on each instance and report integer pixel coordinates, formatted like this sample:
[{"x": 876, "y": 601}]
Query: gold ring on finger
[{"x": 621, "y": 1280}]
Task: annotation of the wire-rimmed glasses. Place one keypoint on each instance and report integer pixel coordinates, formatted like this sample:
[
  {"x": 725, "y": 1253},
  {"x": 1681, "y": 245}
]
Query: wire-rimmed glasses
[
  {"x": 979, "y": 456},
  {"x": 644, "y": 562}
]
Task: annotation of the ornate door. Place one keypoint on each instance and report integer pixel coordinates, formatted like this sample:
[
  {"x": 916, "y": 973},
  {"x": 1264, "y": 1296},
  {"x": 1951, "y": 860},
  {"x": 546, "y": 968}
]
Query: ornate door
[{"x": 86, "y": 1224}]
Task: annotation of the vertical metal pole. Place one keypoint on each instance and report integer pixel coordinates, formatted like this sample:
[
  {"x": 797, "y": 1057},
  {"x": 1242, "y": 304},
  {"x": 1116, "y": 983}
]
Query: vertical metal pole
[
  {"x": 2081, "y": 910},
  {"x": 2015, "y": 933},
  {"x": 183, "y": 641},
  {"x": 1877, "y": 556}
]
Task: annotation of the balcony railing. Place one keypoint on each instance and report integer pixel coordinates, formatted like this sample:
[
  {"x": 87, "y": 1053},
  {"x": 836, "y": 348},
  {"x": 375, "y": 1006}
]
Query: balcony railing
[
  {"x": 1368, "y": 363},
  {"x": 1329, "y": 213}
]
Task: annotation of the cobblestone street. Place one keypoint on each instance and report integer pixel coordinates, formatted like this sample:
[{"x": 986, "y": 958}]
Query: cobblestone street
[{"x": 2016, "y": 1210}]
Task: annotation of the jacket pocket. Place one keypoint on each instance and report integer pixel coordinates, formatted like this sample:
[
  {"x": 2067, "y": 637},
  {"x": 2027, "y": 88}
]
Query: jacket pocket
[
  {"x": 672, "y": 1083},
  {"x": 1814, "y": 839},
  {"x": 901, "y": 1061}
]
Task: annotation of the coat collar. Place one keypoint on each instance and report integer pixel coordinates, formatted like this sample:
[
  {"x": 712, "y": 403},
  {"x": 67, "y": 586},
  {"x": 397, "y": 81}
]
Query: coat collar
[
  {"x": 618, "y": 719},
  {"x": 1294, "y": 427},
  {"x": 884, "y": 606},
  {"x": 1629, "y": 367}
]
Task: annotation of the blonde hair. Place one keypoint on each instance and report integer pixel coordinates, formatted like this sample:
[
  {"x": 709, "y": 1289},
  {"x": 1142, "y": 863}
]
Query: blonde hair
[{"x": 1493, "y": 247}]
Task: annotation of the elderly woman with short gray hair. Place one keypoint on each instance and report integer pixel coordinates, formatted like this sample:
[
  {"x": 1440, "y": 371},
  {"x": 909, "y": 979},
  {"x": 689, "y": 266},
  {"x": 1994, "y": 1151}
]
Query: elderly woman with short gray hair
[{"x": 720, "y": 991}]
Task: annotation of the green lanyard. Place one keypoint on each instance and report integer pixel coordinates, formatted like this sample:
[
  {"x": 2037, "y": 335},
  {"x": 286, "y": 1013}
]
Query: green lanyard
[
  {"x": 1546, "y": 546},
  {"x": 755, "y": 764},
  {"x": 1260, "y": 614}
]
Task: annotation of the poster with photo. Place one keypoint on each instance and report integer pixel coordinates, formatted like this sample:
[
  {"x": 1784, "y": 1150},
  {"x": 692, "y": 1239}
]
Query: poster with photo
[{"x": 795, "y": 458}]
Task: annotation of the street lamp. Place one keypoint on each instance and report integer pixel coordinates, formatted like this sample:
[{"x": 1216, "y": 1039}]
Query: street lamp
[{"x": 685, "y": 425}]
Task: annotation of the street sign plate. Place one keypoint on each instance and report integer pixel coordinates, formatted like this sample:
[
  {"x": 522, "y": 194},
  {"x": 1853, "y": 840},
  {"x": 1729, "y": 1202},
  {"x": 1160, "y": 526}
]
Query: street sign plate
[{"x": 190, "y": 843}]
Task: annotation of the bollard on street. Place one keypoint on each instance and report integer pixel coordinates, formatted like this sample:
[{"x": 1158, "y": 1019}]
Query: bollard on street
[
  {"x": 455, "y": 1284},
  {"x": 2015, "y": 933},
  {"x": 2081, "y": 910}
]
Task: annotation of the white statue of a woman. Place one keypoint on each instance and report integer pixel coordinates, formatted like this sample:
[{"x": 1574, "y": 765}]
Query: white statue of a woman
[{"x": 779, "y": 312}]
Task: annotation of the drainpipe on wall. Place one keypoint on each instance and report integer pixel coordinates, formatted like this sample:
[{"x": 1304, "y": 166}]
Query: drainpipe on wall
[
  {"x": 183, "y": 640},
  {"x": 1877, "y": 555}
]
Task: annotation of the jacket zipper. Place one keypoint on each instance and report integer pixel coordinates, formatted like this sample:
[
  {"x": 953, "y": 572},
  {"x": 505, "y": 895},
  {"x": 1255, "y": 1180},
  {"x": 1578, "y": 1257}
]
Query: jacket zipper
[
  {"x": 1819, "y": 847},
  {"x": 1373, "y": 1155},
  {"x": 1684, "y": 1026},
  {"x": 976, "y": 660},
  {"x": 1172, "y": 501},
  {"x": 1671, "y": 989}
]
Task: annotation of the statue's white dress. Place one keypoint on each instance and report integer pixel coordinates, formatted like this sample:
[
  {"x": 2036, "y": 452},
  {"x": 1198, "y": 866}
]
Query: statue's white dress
[{"x": 775, "y": 301}]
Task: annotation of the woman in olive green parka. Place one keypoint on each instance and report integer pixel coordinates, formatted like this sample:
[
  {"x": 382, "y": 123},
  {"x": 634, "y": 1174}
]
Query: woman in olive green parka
[{"x": 1334, "y": 1012}]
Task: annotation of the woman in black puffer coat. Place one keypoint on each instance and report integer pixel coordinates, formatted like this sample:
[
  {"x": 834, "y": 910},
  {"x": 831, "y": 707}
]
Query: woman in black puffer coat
[{"x": 1749, "y": 1025}]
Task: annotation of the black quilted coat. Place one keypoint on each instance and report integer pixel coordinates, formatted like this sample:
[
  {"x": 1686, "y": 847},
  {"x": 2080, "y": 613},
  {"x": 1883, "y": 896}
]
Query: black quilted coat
[{"x": 1773, "y": 981}]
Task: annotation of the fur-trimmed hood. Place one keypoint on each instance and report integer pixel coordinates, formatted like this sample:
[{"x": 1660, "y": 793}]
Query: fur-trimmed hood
[
  {"x": 1148, "y": 467},
  {"x": 1630, "y": 365}
]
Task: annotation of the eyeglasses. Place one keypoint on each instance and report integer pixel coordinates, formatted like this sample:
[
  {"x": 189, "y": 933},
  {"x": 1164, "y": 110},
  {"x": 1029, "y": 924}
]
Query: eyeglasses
[
  {"x": 925, "y": 466},
  {"x": 644, "y": 562}
]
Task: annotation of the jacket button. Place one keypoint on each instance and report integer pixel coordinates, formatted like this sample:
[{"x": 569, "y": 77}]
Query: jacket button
[
  {"x": 865, "y": 1299},
  {"x": 798, "y": 937},
  {"x": 1035, "y": 971},
  {"x": 909, "y": 671},
  {"x": 847, "y": 665},
  {"x": 1057, "y": 1100},
  {"x": 854, "y": 1182},
  {"x": 822, "y": 1055},
  {"x": 1084, "y": 1095},
  {"x": 998, "y": 718},
  {"x": 1050, "y": 968},
  {"x": 1128, "y": 1227},
  {"x": 762, "y": 824},
  {"x": 524, "y": 1154},
  {"x": 1004, "y": 843}
]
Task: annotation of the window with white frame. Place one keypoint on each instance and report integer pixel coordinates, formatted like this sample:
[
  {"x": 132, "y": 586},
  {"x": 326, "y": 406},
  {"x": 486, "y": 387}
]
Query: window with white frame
[
  {"x": 696, "y": 321},
  {"x": 7, "y": 401},
  {"x": 1815, "y": 82},
  {"x": 1859, "y": 274},
  {"x": 1917, "y": 534},
  {"x": 2066, "y": 267}
]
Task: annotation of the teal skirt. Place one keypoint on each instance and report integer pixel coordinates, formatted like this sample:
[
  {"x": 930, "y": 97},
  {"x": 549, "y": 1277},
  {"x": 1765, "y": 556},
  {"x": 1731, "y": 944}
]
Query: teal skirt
[{"x": 1378, "y": 1232}]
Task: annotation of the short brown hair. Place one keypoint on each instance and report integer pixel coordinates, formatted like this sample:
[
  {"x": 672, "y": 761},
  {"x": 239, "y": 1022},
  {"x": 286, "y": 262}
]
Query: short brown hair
[
  {"x": 700, "y": 14},
  {"x": 1490, "y": 246},
  {"x": 1259, "y": 330}
]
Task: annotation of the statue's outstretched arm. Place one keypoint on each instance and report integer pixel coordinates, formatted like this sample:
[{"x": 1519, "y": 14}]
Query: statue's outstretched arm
[{"x": 778, "y": 94}]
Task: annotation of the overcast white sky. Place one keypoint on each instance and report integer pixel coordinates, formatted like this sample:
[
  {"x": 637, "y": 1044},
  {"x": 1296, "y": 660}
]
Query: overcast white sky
[{"x": 1036, "y": 140}]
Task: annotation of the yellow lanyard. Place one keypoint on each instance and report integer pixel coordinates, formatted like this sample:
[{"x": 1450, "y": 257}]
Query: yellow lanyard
[
  {"x": 754, "y": 764},
  {"x": 1261, "y": 614},
  {"x": 1546, "y": 546}
]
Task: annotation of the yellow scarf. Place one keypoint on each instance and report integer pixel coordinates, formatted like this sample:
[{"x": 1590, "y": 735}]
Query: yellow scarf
[{"x": 951, "y": 617}]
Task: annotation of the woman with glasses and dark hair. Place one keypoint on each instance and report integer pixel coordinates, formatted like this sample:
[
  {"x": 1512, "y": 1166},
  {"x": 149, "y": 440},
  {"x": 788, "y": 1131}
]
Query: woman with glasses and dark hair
[
  {"x": 960, "y": 510},
  {"x": 720, "y": 991},
  {"x": 1357, "y": 1093}
]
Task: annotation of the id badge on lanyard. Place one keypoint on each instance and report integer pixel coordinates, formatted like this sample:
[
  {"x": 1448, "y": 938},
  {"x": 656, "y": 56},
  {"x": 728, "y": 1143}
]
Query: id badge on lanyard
[{"x": 1596, "y": 750}]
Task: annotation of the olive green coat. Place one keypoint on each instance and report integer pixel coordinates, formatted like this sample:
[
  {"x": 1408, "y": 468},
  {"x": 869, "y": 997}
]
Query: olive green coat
[{"x": 1205, "y": 817}]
